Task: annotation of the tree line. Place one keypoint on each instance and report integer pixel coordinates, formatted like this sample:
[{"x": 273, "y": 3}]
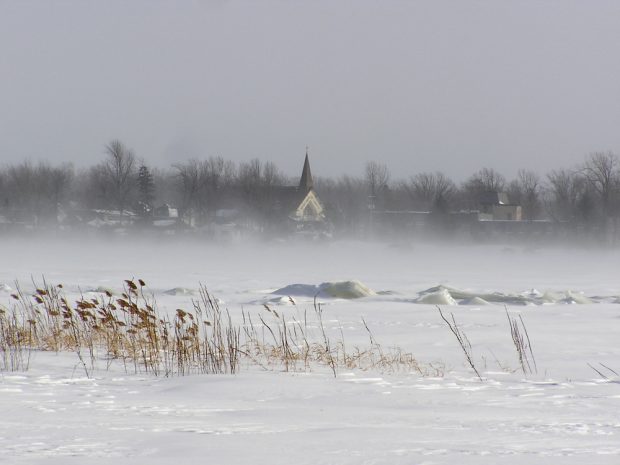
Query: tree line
[{"x": 585, "y": 194}]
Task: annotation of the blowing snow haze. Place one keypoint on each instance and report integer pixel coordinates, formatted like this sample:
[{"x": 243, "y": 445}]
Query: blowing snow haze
[{"x": 422, "y": 86}]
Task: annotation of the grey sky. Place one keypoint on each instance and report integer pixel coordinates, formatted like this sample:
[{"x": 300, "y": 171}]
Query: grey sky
[{"x": 421, "y": 86}]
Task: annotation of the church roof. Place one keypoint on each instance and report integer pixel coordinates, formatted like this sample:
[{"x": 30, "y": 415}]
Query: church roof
[
  {"x": 306, "y": 182},
  {"x": 493, "y": 198},
  {"x": 286, "y": 198}
]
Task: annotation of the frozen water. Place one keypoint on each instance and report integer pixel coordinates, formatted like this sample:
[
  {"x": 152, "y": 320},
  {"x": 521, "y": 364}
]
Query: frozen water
[{"x": 565, "y": 412}]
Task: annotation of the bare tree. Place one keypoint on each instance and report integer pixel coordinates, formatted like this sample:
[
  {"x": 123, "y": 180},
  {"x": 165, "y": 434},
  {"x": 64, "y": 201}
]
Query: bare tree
[
  {"x": 565, "y": 189},
  {"x": 426, "y": 189},
  {"x": 212, "y": 172},
  {"x": 60, "y": 182},
  {"x": 272, "y": 175},
  {"x": 216, "y": 178},
  {"x": 485, "y": 180},
  {"x": 526, "y": 191},
  {"x": 377, "y": 178},
  {"x": 601, "y": 171},
  {"x": 21, "y": 185},
  {"x": 257, "y": 182},
  {"x": 249, "y": 177},
  {"x": 345, "y": 200},
  {"x": 188, "y": 185},
  {"x": 119, "y": 169},
  {"x": 36, "y": 191},
  {"x": 93, "y": 188}
]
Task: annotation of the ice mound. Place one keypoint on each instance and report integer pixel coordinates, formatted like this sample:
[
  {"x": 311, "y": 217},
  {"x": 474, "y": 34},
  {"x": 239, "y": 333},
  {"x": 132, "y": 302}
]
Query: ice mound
[
  {"x": 464, "y": 295},
  {"x": 300, "y": 290},
  {"x": 179, "y": 291},
  {"x": 441, "y": 297},
  {"x": 550, "y": 297},
  {"x": 532, "y": 294},
  {"x": 474, "y": 301},
  {"x": 337, "y": 290},
  {"x": 454, "y": 293},
  {"x": 533, "y": 297},
  {"x": 346, "y": 290},
  {"x": 576, "y": 298}
]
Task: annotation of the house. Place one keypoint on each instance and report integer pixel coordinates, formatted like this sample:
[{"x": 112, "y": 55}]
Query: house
[
  {"x": 111, "y": 218},
  {"x": 400, "y": 221},
  {"x": 496, "y": 206},
  {"x": 165, "y": 212},
  {"x": 165, "y": 219}
]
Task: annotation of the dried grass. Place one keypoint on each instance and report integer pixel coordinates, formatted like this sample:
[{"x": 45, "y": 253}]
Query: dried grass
[{"x": 128, "y": 328}]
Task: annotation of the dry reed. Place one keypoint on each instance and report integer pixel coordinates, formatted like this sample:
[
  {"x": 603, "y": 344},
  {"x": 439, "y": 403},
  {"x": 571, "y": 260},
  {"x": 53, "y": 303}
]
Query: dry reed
[{"x": 128, "y": 329}]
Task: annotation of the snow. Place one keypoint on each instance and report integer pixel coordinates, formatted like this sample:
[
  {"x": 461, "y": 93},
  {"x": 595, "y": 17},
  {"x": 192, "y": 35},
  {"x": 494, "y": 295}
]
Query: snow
[{"x": 565, "y": 412}]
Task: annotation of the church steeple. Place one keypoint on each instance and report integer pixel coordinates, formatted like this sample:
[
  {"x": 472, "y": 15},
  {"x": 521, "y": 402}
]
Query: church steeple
[{"x": 306, "y": 176}]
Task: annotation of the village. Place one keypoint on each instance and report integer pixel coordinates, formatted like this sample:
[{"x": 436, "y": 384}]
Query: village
[{"x": 209, "y": 200}]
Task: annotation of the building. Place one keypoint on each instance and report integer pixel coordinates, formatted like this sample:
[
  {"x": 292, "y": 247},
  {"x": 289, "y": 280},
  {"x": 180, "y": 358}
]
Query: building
[
  {"x": 496, "y": 206},
  {"x": 298, "y": 207}
]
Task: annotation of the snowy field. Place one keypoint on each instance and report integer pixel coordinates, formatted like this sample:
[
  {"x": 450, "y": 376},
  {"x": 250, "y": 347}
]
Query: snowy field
[{"x": 567, "y": 410}]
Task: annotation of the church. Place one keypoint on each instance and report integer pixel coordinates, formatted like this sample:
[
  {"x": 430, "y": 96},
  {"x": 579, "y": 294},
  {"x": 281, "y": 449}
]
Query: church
[{"x": 299, "y": 206}]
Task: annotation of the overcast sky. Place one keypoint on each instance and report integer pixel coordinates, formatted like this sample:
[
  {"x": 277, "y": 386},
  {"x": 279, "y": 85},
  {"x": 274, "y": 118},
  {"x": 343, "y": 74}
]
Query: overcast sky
[{"x": 419, "y": 85}]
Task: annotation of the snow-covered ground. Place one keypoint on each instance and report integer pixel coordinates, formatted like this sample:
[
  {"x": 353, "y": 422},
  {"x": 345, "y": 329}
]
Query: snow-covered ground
[{"x": 565, "y": 412}]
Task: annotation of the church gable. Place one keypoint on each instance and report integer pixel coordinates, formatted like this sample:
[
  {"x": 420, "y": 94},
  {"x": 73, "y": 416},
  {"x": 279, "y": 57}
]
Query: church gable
[{"x": 310, "y": 209}]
